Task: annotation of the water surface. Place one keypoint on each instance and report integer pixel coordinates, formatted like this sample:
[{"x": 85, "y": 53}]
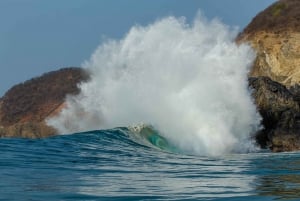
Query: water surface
[{"x": 113, "y": 165}]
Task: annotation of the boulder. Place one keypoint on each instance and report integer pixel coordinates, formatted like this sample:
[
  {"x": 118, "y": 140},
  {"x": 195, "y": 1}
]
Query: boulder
[{"x": 280, "y": 111}]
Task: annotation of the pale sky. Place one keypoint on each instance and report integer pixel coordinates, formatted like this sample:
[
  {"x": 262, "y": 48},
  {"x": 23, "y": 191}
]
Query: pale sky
[{"x": 39, "y": 36}]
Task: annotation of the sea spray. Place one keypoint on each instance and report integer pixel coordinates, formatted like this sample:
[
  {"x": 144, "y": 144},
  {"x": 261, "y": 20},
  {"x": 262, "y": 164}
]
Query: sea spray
[{"x": 189, "y": 81}]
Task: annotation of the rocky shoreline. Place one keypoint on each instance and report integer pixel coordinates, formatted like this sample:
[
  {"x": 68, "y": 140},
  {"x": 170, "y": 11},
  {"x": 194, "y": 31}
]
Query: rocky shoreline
[
  {"x": 278, "y": 106},
  {"x": 274, "y": 81},
  {"x": 275, "y": 76}
]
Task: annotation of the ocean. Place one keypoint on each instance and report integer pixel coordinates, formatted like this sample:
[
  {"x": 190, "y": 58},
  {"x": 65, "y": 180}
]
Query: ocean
[
  {"x": 189, "y": 82},
  {"x": 117, "y": 164}
]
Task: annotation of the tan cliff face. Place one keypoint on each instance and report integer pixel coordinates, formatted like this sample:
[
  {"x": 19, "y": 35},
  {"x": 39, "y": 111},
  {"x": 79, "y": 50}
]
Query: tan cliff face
[
  {"x": 275, "y": 76},
  {"x": 275, "y": 35},
  {"x": 278, "y": 56}
]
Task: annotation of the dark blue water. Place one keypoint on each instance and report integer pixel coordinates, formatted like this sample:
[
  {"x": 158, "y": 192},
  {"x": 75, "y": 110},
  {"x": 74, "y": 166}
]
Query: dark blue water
[{"x": 113, "y": 165}]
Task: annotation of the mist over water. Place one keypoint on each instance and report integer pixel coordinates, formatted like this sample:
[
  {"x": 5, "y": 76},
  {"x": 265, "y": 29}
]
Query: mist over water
[{"x": 189, "y": 81}]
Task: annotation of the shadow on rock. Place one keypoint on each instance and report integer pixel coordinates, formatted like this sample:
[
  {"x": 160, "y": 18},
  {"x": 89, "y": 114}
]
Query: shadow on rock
[{"x": 279, "y": 108}]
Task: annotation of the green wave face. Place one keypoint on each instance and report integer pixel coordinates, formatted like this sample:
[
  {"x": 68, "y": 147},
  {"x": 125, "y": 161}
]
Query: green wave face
[{"x": 153, "y": 136}]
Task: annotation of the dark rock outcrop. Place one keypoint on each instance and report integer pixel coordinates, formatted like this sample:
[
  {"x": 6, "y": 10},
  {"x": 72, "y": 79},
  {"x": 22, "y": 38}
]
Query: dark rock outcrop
[
  {"x": 24, "y": 107},
  {"x": 279, "y": 108}
]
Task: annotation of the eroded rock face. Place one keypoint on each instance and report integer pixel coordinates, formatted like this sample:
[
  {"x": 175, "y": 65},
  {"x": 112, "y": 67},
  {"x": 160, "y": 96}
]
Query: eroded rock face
[
  {"x": 275, "y": 35},
  {"x": 279, "y": 108},
  {"x": 24, "y": 108}
]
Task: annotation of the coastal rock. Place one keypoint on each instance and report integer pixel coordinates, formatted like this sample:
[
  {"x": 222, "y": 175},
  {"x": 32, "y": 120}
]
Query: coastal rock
[
  {"x": 275, "y": 35},
  {"x": 279, "y": 108},
  {"x": 275, "y": 76},
  {"x": 27, "y": 130},
  {"x": 24, "y": 107}
]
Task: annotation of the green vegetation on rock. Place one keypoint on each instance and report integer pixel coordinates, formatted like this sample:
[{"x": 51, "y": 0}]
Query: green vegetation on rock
[{"x": 278, "y": 8}]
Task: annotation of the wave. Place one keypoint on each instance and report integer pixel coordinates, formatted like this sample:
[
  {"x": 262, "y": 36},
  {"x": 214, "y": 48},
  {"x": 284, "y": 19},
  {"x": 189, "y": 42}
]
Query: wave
[
  {"x": 151, "y": 136},
  {"x": 189, "y": 81},
  {"x": 140, "y": 137}
]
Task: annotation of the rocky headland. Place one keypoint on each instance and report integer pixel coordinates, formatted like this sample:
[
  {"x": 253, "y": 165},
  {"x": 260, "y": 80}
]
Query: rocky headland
[
  {"x": 275, "y": 76},
  {"x": 275, "y": 35},
  {"x": 24, "y": 107}
]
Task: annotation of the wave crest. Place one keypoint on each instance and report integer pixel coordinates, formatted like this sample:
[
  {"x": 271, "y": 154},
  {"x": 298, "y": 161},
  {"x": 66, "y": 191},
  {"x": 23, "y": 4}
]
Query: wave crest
[{"x": 187, "y": 80}]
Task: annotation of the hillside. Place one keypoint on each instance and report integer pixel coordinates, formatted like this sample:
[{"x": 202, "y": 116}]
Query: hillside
[
  {"x": 281, "y": 17},
  {"x": 25, "y": 106},
  {"x": 275, "y": 35}
]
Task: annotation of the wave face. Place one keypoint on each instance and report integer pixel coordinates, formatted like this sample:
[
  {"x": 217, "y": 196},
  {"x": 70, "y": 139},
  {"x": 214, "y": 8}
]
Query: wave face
[
  {"x": 189, "y": 81},
  {"x": 116, "y": 164}
]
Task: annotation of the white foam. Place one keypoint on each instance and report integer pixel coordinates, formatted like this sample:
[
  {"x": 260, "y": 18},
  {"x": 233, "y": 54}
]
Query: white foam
[{"x": 187, "y": 80}]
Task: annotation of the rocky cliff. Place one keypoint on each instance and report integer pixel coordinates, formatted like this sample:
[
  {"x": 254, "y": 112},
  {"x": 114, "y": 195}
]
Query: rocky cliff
[
  {"x": 24, "y": 107},
  {"x": 275, "y": 76},
  {"x": 280, "y": 111},
  {"x": 275, "y": 35}
]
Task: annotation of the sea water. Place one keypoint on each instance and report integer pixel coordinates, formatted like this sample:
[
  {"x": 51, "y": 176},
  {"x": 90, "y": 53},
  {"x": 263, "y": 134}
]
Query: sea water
[
  {"x": 173, "y": 119},
  {"x": 116, "y": 165}
]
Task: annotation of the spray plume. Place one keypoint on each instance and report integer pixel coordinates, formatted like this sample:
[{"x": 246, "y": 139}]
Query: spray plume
[{"x": 188, "y": 81}]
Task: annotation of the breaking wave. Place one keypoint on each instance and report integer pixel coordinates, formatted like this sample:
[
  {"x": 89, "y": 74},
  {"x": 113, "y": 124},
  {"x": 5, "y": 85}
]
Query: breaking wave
[{"x": 188, "y": 81}]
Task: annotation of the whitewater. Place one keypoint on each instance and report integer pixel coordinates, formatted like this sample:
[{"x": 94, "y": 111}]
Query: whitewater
[
  {"x": 167, "y": 115},
  {"x": 188, "y": 81}
]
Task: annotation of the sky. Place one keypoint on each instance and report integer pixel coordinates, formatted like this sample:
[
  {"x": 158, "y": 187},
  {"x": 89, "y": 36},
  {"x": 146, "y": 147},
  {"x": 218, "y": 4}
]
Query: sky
[{"x": 38, "y": 36}]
